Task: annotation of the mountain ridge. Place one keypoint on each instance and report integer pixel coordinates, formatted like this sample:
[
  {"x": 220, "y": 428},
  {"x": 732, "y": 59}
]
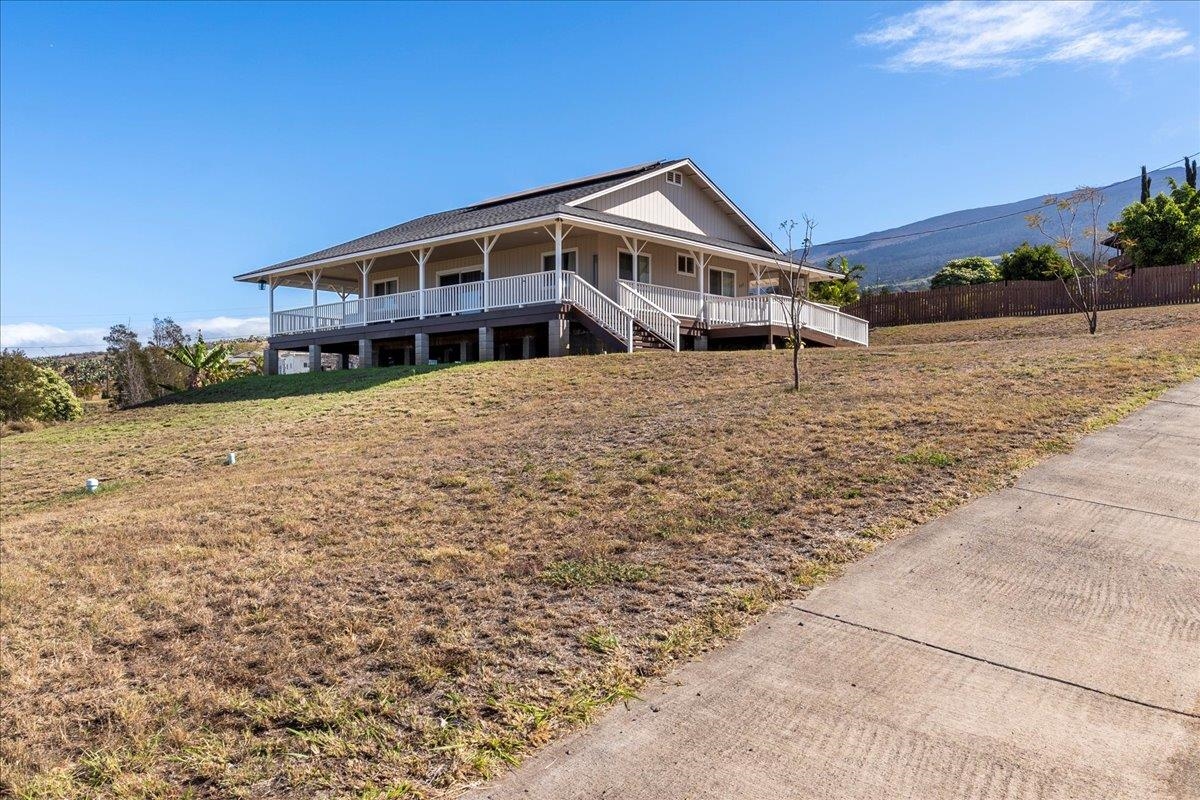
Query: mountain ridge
[{"x": 914, "y": 252}]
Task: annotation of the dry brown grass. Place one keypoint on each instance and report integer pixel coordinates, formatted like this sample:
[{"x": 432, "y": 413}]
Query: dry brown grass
[
  {"x": 409, "y": 582},
  {"x": 1111, "y": 322}
]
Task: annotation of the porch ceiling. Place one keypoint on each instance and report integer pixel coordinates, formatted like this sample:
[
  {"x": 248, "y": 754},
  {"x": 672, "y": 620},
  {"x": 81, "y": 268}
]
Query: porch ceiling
[{"x": 346, "y": 275}]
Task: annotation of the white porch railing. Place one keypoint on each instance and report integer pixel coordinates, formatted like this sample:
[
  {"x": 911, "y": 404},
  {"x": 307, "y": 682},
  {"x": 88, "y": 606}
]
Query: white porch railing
[
  {"x": 657, "y": 308},
  {"x": 652, "y": 316},
  {"x": 465, "y": 298},
  {"x": 713, "y": 309},
  {"x": 600, "y": 307},
  {"x": 678, "y": 302}
]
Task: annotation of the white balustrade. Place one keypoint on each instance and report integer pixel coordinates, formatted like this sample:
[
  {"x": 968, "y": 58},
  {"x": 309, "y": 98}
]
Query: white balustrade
[
  {"x": 652, "y": 316},
  {"x": 658, "y": 308},
  {"x": 597, "y": 305}
]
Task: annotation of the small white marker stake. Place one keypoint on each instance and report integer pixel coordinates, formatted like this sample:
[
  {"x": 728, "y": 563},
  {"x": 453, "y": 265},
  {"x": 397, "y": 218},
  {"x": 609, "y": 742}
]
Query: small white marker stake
[{"x": 231, "y": 459}]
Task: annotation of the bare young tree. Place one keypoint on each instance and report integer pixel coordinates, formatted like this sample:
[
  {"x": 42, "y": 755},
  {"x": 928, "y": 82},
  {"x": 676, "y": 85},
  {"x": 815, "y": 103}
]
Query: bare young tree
[
  {"x": 1082, "y": 248},
  {"x": 795, "y": 286}
]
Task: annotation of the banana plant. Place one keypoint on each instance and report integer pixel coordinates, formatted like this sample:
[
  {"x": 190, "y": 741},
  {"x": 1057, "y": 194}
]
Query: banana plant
[{"x": 203, "y": 361}]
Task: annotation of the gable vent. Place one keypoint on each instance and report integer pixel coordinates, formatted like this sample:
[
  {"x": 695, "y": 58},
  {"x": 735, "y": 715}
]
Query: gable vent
[{"x": 675, "y": 178}]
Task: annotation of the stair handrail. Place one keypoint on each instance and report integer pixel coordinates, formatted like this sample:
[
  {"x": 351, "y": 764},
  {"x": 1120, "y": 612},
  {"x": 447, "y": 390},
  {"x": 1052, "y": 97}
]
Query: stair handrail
[
  {"x": 658, "y": 321},
  {"x": 605, "y": 311}
]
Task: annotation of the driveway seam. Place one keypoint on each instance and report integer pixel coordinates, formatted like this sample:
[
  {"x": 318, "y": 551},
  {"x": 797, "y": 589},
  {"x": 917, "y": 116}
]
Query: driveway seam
[
  {"x": 1106, "y": 505},
  {"x": 998, "y": 664},
  {"x": 1174, "y": 402}
]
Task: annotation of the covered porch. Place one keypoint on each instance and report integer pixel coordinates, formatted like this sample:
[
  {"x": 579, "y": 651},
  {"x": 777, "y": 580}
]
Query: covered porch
[{"x": 631, "y": 285}]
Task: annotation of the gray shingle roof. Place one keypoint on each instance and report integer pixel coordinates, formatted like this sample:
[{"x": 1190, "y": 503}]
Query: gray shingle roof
[{"x": 514, "y": 208}]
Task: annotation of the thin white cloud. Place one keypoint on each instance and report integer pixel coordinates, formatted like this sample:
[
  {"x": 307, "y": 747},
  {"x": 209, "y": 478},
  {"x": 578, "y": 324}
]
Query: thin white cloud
[
  {"x": 35, "y": 335},
  {"x": 41, "y": 339},
  {"x": 1011, "y": 36},
  {"x": 226, "y": 327}
]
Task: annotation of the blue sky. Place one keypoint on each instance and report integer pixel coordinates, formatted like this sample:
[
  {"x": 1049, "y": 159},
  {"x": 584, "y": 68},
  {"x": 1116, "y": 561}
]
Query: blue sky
[{"x": 150, "y": 152}]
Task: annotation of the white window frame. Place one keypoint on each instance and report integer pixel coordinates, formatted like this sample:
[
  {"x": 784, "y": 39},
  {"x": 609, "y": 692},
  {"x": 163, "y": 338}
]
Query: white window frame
[
  {"x": 690, "y": 258},
  {"x": 566, "y": 250},
  {"x": 384, "y": 282},
  {"x": 437, "y": 276},
  {"x": 708, "y": 283},
  {"x": 649, "y": 265}
]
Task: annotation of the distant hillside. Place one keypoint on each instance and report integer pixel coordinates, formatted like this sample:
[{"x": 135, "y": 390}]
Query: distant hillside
[{"x": 919, "y": 255}]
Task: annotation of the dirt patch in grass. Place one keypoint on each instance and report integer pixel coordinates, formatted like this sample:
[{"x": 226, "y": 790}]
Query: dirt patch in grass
[{"x": 410, "y": 581}]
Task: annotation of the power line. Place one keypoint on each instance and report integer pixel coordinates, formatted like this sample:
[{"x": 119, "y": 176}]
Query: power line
[
  {"x": 110, "y": 315},
  {"x": 843, "y": 242}
]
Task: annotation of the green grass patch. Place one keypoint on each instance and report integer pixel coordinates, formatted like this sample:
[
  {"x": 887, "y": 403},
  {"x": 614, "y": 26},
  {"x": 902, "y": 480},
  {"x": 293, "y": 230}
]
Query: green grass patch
[
  {"x": 596, "y": 572},
  {"x": 928, "y": 458}
]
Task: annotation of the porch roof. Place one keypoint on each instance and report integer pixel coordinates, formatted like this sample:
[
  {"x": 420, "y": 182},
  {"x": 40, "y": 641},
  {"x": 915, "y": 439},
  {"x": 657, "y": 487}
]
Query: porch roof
[
  {"x": 487, "y": 214},
  {"x": 547, "y": 201}
]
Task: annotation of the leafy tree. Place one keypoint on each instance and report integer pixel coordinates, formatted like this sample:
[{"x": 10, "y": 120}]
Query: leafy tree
[
  {"x": 1162, "y": 230},
  {"x": 18, "y": 386},
  {"x": 29, "y": 391},
  {"x": 840, "y": 291},
  {"x": 1189, "y": 171},
  {"x": 203, "y": 362},
  {"x": 168, "y": 373},
  {"x": 129, "y": 365},
  {"x": 1145, "y": 185},
  {"x": 963, "y": 271},
  {"x": 1029, "y": 263}
]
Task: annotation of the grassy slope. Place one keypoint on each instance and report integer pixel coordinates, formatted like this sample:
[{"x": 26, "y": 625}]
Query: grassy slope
[{"x": 409, "y": 581}]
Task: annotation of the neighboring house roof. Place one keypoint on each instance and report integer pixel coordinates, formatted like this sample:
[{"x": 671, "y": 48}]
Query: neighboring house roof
[{"x": 559, "y": 198}]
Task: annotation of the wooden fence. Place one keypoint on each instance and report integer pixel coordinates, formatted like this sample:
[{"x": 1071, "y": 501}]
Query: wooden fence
[{"x": 1151, "y": 286}]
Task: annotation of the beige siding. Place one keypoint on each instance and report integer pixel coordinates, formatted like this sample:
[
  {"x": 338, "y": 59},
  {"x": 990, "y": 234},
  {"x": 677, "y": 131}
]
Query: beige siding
[
  {"x": 598, "y": 248},
  {"x": 663, "y": 267},
  {"x": 684, "y": 208},
  {"x": 501, "y": 264}
]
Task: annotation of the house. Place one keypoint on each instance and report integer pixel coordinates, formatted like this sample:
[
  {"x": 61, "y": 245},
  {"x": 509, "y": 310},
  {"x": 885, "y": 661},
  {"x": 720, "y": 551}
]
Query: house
[{"x": 650, "y": 256}]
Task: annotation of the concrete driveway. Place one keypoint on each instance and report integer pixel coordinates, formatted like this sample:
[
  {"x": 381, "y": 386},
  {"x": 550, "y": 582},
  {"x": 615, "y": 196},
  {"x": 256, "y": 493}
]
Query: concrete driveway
[{"x": 1043, "y": 641}]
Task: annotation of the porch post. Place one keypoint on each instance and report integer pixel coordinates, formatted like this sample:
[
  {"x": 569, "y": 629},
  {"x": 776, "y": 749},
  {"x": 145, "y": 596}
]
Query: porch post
[
  {"x": 558, "y": 239},
  {"x": 364, "y": 269},
  {"x": 702, "y": 261},
  {"x": 315, "y": 277},
  {"x": 270, "y": 307},
  {"x": 558, "y": 234},
  {"x": 485, "y": 246},
  {"x": 422, "y": 259}
]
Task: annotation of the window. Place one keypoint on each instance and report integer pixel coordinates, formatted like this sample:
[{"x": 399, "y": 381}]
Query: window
[
  {"x": 625, "y": 267},
  {"x": 675, "y": 178},
  {"x": 389, "y": 286},
  {"x": 685, "y": 265},
  {"x": 722, "y": 281},
  {"x": 570, "y": 260},
  {"x": 469, "y": 275}
]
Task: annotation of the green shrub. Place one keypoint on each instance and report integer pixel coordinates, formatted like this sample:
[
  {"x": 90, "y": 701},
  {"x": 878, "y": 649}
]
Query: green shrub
[
  {"x": 59, "y": 403},
  {"x": 28, "y": 391},
  {"x": 1029, "y": 263},
  {"x": 963, "y": 271}
]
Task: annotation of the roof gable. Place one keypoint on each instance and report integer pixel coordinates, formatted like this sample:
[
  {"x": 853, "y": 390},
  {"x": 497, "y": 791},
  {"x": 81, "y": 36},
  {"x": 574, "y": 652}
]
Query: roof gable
[{"x": 696, "y": 206}]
